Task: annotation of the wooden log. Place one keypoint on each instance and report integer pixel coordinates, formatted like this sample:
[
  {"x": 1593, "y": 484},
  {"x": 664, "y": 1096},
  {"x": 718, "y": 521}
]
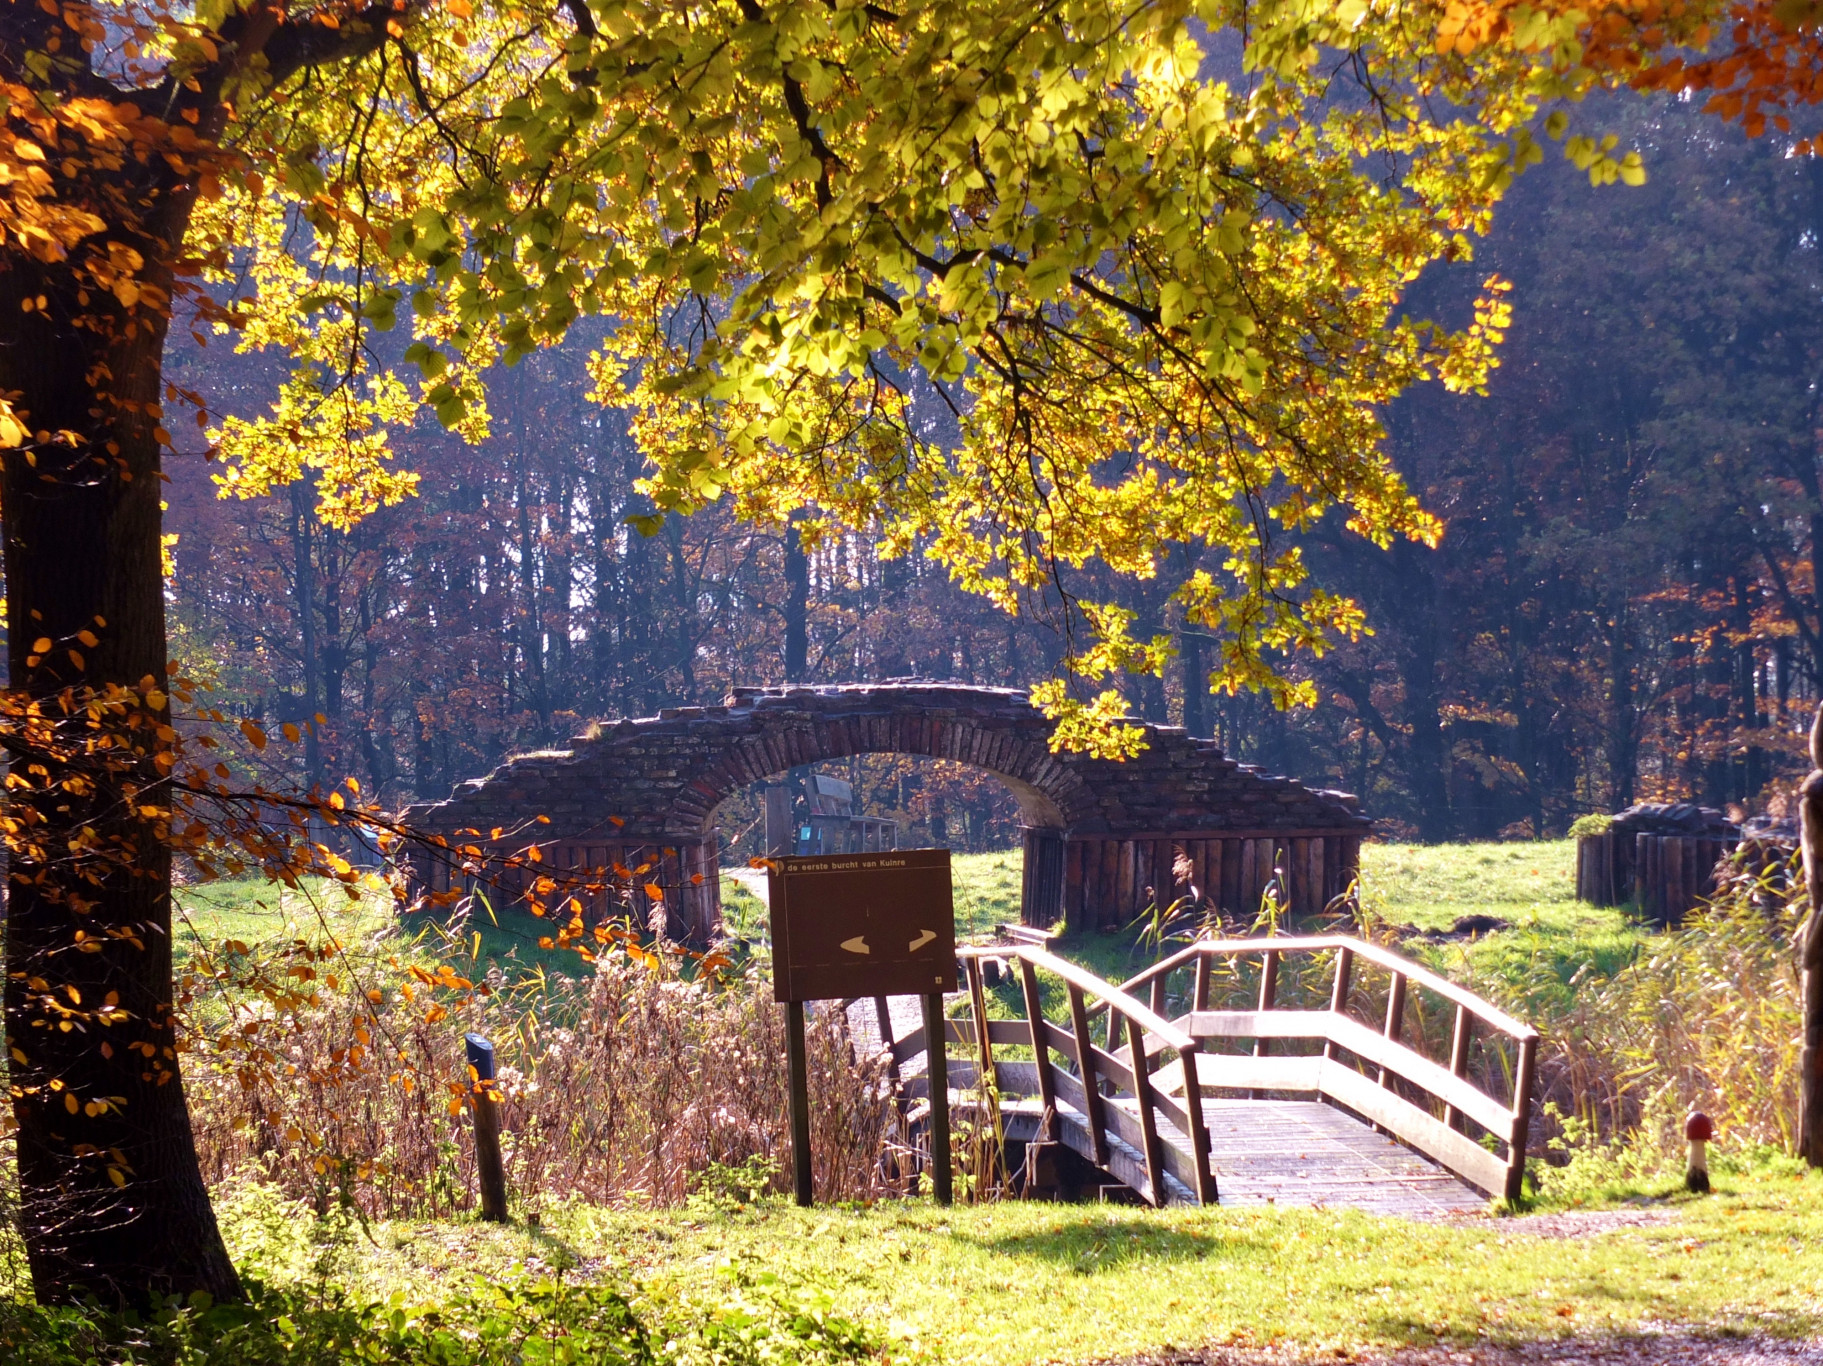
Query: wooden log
[
  {"x": 1072, "y": 883},
  {"x": 1319, "y": 889},
  {"x": 1231, "y": 877},
  {"x": 1247, "y": 889},
  {"x": 1128, "y": 872},
  {"x": 1109, "y": 917},
  {"x": 1350, "y": 870},
  {"x": 1639, "y": 872},
  {"x": 1298, "y": 875}
]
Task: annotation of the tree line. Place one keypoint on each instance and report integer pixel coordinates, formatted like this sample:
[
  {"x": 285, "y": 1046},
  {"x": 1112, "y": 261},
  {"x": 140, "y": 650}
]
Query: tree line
[{"x": 1623, "y": 606}]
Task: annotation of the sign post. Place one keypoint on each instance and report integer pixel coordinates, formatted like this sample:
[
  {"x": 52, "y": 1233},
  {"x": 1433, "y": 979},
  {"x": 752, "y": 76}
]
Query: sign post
[{"x": 859, "y": 925}]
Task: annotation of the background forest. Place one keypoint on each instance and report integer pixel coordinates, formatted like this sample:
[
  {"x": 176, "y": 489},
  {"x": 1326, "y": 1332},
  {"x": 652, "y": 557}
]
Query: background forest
[{"x": 1624, "y": 606}]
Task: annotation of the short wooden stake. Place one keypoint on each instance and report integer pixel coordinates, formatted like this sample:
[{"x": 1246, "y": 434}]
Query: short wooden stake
[
  {"x": 800, "y": 1101},
  {"x": 937, "y": 1072},
  {"x": 484, "y": 1101}
]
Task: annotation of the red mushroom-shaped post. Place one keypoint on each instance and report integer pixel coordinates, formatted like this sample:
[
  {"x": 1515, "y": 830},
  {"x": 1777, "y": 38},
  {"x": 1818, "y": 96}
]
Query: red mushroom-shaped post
[{"x": 1699, "y": 1130}]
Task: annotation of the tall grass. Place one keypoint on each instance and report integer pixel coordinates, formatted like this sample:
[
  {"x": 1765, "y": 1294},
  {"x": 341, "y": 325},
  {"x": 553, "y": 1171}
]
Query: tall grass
[
  {"x": 632, "y": 1084},
  {"x": 1706, "y": 1016}
]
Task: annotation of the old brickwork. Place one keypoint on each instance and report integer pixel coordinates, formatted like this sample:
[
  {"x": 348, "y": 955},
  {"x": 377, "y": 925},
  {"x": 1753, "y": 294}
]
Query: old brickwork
[{"x": 1101, "y": 836}]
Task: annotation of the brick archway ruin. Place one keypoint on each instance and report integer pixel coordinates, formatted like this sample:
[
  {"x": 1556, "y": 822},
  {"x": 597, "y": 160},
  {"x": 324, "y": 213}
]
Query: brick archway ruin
[{"x": 1101, "y": 836}]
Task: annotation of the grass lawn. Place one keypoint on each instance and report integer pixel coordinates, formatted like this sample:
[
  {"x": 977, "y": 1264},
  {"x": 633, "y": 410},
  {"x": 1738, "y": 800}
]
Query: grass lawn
[{"x": 1017, "y": 1283}]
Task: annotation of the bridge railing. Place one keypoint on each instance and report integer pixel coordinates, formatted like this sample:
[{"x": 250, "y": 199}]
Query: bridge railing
[
  {"x": 1375, "y": 1072},
  {"x": 1153, "y": 1139}
]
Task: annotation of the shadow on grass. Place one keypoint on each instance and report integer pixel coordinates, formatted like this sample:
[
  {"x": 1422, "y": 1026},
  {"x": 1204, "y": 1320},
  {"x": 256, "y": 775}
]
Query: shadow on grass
[{"x": 1090, "y": 1248}]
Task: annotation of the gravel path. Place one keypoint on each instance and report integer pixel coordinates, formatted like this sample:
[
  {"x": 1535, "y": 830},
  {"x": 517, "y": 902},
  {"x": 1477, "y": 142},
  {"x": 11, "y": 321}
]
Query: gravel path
[{"x": 1657, "y": 1349}]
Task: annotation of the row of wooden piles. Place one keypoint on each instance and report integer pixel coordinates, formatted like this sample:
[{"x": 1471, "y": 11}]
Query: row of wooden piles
[
  {"x": 1107, "y": 883},
  {"x": 1663, "y": 875}
]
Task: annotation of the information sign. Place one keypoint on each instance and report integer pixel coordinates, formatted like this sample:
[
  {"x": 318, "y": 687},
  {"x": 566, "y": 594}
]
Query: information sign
[{"x": 855, "y": 925}]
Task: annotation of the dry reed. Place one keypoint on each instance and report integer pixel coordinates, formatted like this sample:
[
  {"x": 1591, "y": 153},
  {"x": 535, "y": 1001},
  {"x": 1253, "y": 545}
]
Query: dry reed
[{"x": 630, "y": 1084}]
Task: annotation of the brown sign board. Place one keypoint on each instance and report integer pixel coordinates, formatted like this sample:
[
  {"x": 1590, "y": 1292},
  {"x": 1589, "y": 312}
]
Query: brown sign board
[{"x": 845, "y": 925}]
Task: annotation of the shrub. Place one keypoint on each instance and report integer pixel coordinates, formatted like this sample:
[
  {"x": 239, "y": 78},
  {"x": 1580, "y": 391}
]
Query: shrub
[{"x": 758, "y": 1322}]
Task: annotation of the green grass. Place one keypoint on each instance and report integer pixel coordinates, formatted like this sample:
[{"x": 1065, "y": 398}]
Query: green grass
[
  {"x": 1553, "y": 937},
  {"x": 1427, "y": 887},
  {"x": 256, "y": 911},
  {"x": 1016, "y": 1283},
  {"x": 1431, "y": 885}
]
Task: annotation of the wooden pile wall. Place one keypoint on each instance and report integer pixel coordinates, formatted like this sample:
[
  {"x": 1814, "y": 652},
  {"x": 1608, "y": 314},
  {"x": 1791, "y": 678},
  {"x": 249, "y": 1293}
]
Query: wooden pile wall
[
  {"x": 1664, "y": 876},
  {"x": 1109, "y": 882}
]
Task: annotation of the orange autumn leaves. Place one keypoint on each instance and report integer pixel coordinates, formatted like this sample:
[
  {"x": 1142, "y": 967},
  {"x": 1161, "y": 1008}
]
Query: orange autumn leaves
[{"x": 1758, "y": 61}]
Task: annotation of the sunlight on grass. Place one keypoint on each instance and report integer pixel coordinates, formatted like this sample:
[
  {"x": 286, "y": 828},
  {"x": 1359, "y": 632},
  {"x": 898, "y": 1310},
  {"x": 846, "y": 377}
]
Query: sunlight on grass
[
  {"x": 1016, "y": 1283},
  {"x": 1430, "y": 885}
]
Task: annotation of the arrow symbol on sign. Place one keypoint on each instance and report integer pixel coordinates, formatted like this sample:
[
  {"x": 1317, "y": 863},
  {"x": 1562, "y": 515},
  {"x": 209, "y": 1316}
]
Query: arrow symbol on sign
[
  {"x": 857, "y": 945},
  {"x": 922, "y": 940}
]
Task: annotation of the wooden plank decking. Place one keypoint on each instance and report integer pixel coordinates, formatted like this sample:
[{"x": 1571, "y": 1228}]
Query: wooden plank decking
[{"x": 1304, "y": 1153}]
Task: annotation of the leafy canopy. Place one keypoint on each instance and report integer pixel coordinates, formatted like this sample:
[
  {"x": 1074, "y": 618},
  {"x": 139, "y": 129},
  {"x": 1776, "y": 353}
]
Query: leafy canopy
[{"x": 1021, "y": 286}]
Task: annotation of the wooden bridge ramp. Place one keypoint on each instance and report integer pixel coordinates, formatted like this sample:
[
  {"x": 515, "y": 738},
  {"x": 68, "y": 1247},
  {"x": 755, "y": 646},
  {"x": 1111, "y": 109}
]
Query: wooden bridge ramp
[{"x": 1318, "y": 1092}]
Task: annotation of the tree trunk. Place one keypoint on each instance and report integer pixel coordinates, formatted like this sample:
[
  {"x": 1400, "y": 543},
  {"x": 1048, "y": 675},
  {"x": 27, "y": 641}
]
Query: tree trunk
[
  {"x": 797, "y": 607},
  {"x": 1810, "y": 1063},
  {"x": 112, "y": 1200}
]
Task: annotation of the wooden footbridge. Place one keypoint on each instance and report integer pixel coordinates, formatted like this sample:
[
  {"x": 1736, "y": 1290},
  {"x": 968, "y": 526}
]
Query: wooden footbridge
[{"x": 1319, "y": 1091}]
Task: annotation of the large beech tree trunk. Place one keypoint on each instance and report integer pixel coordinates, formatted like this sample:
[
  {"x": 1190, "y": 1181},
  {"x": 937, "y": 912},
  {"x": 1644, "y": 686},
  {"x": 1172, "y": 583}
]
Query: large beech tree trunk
[{"x": 113, "y": 1200}]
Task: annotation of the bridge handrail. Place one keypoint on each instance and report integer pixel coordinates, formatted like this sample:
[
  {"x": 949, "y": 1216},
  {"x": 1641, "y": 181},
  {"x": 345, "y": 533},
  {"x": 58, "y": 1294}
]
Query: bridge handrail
[
  {"x": 1169, "y": 1034},
  {"x": 1148, "y": 1034},
  {"x": 1380, "y": 1048},
  {"x": 1410, "y": 969}
]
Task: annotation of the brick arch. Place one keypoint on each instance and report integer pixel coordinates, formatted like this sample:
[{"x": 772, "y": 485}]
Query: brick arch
[
  {"x": 1103, "y": 838},
  {"x": 991, "y": 729}
]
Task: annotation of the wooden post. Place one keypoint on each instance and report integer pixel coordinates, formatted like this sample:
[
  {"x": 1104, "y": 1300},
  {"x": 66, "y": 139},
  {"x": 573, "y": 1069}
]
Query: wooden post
[
  {"x": 1269, "y": 995},
  {"x": 936, "y": 1071},
  {"x": 484, "y": 1101},
  {"x": 1522, "y": 1118},
  {"x": 1148, "y": 1118},
  {"x": 798, "y": 1081},
  {"x": 1338, "y": 996},
  {"x": 1091, "y": 1078},
  {"x": 1041, "y": 1048},
  {"x": 1459, "y": 1058}
]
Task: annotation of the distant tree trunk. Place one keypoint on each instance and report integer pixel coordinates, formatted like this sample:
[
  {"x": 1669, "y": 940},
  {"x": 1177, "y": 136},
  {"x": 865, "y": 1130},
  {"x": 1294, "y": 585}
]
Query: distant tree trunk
[
  {"x": 797, "y": 606},
  {"x": 112, "y": 1200},
  {"x": 303, "y": 527},
  {"x": 1622, "y": 738},
  {"x": 684, "y": 610}
]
